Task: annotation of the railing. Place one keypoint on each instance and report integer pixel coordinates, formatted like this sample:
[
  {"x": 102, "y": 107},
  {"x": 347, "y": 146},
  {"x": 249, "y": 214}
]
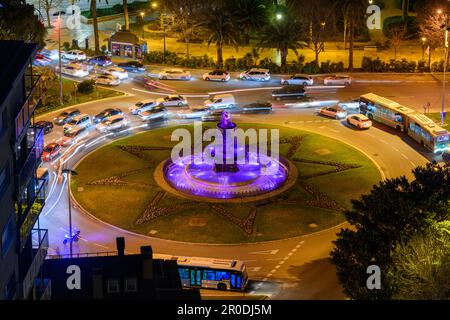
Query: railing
[
  {"x": 26, "y": 168},
  {"x": 31, "y": 102},
  {"x": 30, "y": 208},
  {"x": 83, "y": 255},
  {"x": 40, "y": 246},
  {"x": 43, "y": 289}
]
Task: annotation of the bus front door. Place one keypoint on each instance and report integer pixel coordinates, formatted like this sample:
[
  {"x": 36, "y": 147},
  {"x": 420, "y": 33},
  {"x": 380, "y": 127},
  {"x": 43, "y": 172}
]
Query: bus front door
[
  {"x": 236, "y": 281},
  {"x": 196, "y": 278}
]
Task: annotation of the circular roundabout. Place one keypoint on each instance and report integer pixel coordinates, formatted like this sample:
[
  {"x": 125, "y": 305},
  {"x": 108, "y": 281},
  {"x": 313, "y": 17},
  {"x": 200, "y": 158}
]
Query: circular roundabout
[{"x": 127, "y": 183}]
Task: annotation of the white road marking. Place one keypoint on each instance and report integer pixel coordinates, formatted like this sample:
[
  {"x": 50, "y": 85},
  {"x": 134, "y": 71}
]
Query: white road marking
[
  {"x": 254, "y": 269},
  {"x": 265, "y": 252},
  {"x": 395, "y": 149},
  {"x": 403, "y": 155}
]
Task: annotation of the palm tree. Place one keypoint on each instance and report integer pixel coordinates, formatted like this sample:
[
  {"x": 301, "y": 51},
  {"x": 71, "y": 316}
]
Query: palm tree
[
  {"x": 125, "y": 13},
  {"x": 284, "y": 35},
  {"x": 250, "y": 15},
  {"x": 221, "y": 30},
  {"x": 93, "y": 8},
  {"x": 353, "y": 11}
]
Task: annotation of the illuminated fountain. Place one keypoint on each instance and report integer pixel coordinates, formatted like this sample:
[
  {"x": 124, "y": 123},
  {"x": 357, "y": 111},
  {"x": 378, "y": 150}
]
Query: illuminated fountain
[{"x": 226, "y": 170}]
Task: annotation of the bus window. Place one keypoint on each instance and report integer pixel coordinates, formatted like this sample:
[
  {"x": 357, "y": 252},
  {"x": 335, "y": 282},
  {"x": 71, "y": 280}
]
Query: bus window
[
  {"x": 196, "y": 277},
  {"x": 236, "y": 281},
  {"x": 398, "y": 118},
  {"x": 222, "y": 275},
  {"x": 209, "y": 275},
  {"x": 184, "y": 273}
]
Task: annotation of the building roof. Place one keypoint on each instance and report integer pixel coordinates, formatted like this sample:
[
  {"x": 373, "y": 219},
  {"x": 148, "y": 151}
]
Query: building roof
[
  {"x": 125, "y": 37},
  {"x": 15, "y": 55}
]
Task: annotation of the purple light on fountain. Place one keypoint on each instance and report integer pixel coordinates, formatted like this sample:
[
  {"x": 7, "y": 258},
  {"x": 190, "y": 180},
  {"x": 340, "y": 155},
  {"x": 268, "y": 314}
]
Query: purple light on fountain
[{"x": 225, "y": 180}]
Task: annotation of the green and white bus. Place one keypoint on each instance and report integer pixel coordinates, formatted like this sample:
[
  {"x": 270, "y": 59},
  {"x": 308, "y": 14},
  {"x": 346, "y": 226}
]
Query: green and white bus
[
  {"x": 210, "y": 273},
  {"x": 417, "y": 125}
]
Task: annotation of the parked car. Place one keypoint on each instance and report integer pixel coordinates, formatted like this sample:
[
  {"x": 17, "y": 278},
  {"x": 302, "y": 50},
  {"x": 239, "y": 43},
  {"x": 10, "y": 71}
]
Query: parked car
[
  {"x": 65, "y": 117},
  {"x": 257, "y": 107},
  {"x": 174, "y": 74},
  {"x": 256, "y": 74},
  {"x": 298, "y": 79},
  {"x": 107, "y": 80},
  {"x": 72, "y": 137},
  {"x": 105, "y": 114},
  {"x": 156, "y": 113},
  {"x": 116, "y": 72},
  {"x": 142, "y": 106},
  {"x": 132, "y": 66},
  {"x": 172, "y": 101},
  {"x": 338, "y": 79},
  {"x": 73, "y": 55},
  {"x": 333, "y": 112},
  {"x": 113, "y": 123},
  {"x": 73, "y": 70},
  {"x": 46, "y": 125},
  {"x": 289, "y": 92},
  {"x": 220, "y": 101},
  {"x": 359, "y": 121},
  {"x": 80, "y": 121},
  {"x": 101, "y": 61},
  {"x": 216, "y": 75},
  {"x": 50, "y": 152}
]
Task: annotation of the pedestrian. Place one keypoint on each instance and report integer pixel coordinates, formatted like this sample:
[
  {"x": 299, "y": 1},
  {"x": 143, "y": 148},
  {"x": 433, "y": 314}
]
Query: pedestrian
[
  {"x": 428, "y": 107},
  {"x": 425, "y": 108}
]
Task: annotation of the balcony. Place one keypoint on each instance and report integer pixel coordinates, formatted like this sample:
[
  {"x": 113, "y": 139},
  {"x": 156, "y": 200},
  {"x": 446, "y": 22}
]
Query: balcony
[
  {"x": 27, "y": 164},
  {"x": 43, "y": 289},
  {"x": 32, "y": 100},
  {"x": 39, "y": 238},
  {"x": 29, "y": 207}
]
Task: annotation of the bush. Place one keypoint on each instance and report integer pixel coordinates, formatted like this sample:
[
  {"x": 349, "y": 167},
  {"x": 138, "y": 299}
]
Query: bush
[{"x": 86, "y": 86}]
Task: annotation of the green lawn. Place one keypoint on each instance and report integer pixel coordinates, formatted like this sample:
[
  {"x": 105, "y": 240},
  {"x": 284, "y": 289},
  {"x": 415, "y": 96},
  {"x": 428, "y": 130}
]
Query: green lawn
[
  {"x": 295, "y": 212},
  {"x": 74, "y": 97},
  {"x": 436, "y": 117}
]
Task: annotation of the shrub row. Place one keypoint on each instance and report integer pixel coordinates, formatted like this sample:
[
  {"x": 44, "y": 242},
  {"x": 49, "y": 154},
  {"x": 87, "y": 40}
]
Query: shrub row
[{"x": 403, "y": 65}]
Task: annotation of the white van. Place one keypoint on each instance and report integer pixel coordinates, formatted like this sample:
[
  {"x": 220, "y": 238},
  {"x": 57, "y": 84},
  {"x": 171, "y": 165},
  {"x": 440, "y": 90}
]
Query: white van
[{"x": 221, "y": 101}]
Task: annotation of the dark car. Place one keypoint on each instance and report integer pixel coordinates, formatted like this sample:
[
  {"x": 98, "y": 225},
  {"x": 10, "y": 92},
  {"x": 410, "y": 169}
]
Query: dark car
[
  {"x": 65, "y": 117},
  {"x": 257, "y": 107},
  {"x": 214, "y": 116},
  {"x": 105, "y": 114},
  {"x": 132, "y": 66},
  {"x": 46, "y": 125},
  {"x": 289, "y": 92},
  {"x": 102, "y": 61}
]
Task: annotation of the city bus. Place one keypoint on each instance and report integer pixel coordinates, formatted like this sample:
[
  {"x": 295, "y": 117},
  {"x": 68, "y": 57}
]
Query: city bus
[
  {"x": 418, "y": 126},
  {"x": 210, "y": 273}
]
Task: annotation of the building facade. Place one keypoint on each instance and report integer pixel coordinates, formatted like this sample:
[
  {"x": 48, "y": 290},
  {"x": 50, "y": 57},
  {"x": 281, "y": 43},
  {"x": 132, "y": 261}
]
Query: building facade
[
  {"x": 23, "y": 245},
  {"x": 116, "y": 276}
]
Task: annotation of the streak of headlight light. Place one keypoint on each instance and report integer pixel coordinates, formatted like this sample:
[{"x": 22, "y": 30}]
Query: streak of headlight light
[
  {"x": 73, "y": 153},
  {"x": 59, "y": 196},
  {"x": 52, "y": 188}
]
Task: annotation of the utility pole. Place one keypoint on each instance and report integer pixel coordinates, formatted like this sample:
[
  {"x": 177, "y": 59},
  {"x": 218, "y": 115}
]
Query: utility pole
[{"x": 61, "y": 100}]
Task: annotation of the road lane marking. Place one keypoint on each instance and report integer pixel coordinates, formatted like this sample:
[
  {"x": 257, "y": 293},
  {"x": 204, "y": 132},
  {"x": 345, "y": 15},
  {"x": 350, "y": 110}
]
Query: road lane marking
[
  {"x": 265, "y": 252},
  {"x": 395, "y": 149},
  {"x": 254, "y": 269},
  {"x": 403, "y": 155}
]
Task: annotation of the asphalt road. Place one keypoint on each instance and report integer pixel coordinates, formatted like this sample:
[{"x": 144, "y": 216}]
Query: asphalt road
[{"x": 295, "y": 268}]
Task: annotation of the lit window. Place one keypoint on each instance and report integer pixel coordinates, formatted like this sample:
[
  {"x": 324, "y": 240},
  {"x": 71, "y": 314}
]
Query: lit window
[
  {"x": 222, "y": 275},
  {"x": 208, "y": 275},
  {"x": 184, "y": 273},
  {"x": 113, "y": 286}
]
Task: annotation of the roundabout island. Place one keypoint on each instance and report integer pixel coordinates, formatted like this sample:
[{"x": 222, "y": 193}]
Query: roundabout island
[{"x": 127, "y": 183}]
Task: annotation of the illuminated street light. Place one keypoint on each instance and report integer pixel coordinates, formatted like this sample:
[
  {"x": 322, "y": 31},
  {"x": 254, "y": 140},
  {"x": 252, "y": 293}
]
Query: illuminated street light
[
  {"x": 154, "y": 5},
  {"x": 279, "y": 16},
  {"x": 142, "y": 18},
  {"x": 423, "y": 47}
]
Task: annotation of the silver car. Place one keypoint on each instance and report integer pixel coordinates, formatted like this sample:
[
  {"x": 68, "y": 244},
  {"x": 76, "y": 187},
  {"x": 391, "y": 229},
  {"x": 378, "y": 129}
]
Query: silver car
[
  {"x": 173, "y": 100},
  {"x": 157, "y": 113},
  {"x": 298, "y": 79}
]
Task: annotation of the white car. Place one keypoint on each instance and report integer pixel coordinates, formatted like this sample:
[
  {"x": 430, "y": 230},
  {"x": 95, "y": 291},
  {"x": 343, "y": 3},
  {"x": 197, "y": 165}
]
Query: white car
[
  {"x": 77, "y": 123},
  {"x": 352, "y": 105},
  {"x": 174, "y": 74},
  {"x": 256, "y": 74},
  {"x": 73, "y": 55},
  {"x": 172, "y": 100},
  {"x": 82, "y": 65},
  {"x": 73, "y": 71},
  {"x": 157, "y": 113},
  {"x": 298, "y": 79},
  {"x": 142, "y": 106},
  {"x": 359, "y": 121},
  {"x": 338, "y": 79},
  {"x": 107, "y": 79},
  {"x": 333, "y": 112},
  {"x": 195, "y": 112},
  {"x": 113, "y": 123},
  {"x": 216, "y": 75},
  {"x": 116, "y": 71}
]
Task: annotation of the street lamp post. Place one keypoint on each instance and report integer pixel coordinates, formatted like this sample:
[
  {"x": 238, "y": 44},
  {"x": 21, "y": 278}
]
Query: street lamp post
[
  {"x": 142, "y": 18},
  {"x": 446, "y": 27},
  {"x": 423, "y": 48},
  {"x": 69, "y": 173},
  {"x": 61, "y": 101}
]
